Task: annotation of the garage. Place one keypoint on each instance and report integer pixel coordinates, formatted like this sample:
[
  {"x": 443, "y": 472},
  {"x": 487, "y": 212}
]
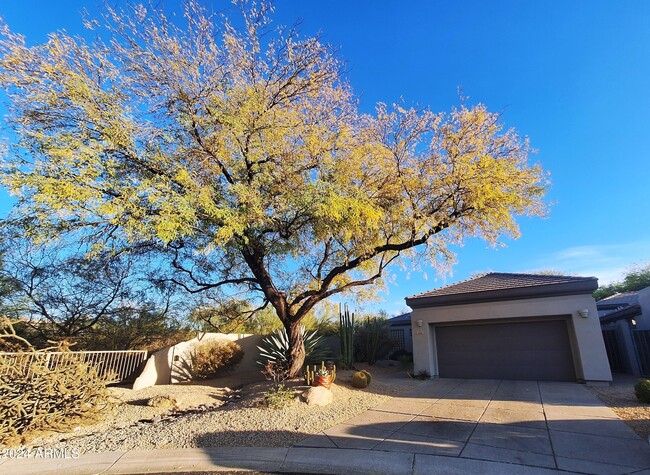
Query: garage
[
  {"x": 510, "y": 326},
  {"x": 539, "y": 350}
]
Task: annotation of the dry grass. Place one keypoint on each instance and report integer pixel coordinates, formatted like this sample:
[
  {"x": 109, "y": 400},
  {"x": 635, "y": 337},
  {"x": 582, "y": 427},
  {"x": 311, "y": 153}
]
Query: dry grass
[{"x": 620, "y": 398}]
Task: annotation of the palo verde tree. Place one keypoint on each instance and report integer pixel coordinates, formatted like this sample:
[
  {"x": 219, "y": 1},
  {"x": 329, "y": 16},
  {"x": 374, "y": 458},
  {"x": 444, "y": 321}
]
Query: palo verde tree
[{"x": 241, "y": 155}]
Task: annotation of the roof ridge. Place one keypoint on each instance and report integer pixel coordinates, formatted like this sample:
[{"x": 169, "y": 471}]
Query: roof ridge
[
  {"x": 455, "y": 283},
  {"x": 532, "y": 274},
  {"x": 492, "y": 281}
]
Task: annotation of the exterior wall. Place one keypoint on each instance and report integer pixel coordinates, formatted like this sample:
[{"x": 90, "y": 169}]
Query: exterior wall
[
  {"x": 166, "y": 366},
  {"x": 643, "y": 320},
  {"x": 587, "y": 340}
]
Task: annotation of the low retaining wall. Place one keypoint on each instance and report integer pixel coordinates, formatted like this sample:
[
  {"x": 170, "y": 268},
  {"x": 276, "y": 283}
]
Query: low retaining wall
[{"x": 168, "y": 366}]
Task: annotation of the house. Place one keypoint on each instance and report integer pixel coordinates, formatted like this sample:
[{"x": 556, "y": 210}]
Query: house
[
  {"x": 400, "y": 331},
  {"x": 625, "y": 321},
  {"x": 510, "y": 326},
  {"x": 627, "y": 305}
]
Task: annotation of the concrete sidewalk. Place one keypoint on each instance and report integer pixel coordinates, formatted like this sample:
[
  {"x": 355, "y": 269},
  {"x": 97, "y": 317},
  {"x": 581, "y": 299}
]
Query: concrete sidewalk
[
  {"x": 444, "y": 426},
  {"x": 287, "y": 460},
  {"x": 545, "y": 425}
]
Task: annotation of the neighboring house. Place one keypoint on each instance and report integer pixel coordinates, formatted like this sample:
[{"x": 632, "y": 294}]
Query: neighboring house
[
  {"x": 625, "y": 320},
  {"x": 510, "y": 326},
  {"x": 400, "y": 330}
]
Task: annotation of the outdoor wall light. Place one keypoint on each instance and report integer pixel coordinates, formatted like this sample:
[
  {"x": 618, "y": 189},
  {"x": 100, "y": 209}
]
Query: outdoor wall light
[
  {"x": 419, "y": 323},
  {"x": 584, "y": 313}
]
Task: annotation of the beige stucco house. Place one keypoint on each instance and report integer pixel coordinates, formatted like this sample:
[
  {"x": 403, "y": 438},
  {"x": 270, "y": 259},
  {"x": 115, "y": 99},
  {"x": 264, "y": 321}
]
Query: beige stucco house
[{"x": 510, "y": 326}]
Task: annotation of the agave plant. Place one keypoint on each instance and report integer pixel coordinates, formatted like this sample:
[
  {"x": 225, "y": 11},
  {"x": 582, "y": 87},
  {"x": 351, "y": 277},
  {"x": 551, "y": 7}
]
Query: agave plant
[{"x": 275, "y": 347}]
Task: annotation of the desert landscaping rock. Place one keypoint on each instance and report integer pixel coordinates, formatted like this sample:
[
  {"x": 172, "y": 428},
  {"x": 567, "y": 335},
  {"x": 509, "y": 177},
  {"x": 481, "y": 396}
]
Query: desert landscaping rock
[
  {"x": 621, "y": 399},
  {"x": 317, "y": 396},
  {"x": 211, "y": 416}
]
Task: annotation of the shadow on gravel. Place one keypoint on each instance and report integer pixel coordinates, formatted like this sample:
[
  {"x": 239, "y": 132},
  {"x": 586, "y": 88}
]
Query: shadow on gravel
[{"x": 235, "y": 438}]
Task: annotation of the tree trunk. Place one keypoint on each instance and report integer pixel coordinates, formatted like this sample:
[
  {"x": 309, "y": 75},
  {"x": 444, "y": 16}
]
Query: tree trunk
[{"x": 296, "y": 347}]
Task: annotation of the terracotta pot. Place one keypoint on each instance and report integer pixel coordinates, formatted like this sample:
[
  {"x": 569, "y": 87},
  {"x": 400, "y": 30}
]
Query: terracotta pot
[{"x": 325, "y": 381}]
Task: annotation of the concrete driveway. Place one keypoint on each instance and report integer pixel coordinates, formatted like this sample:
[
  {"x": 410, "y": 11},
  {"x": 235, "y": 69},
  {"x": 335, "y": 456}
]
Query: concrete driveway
[{"x": 449, "y": 425}]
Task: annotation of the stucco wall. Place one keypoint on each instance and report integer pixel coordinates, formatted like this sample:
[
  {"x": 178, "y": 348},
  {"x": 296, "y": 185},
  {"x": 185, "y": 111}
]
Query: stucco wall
[
  {"x": 643, "y": 320},
  {"x": 169, "y": 364},
  {"x": 589, "y": 350}
]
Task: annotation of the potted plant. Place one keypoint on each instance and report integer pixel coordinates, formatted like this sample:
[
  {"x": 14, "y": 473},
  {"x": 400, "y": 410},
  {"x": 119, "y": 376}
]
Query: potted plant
[{"x": 323, "y": 375}]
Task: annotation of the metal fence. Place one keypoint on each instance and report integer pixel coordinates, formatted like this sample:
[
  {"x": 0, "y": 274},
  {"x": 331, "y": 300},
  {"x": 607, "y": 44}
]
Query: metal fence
[
  {"x": 398, "y": 335},
  {"x": 617, "y": 358},
  {"x": 124, "y": 365},
  {"x": 642, "y": 344}
]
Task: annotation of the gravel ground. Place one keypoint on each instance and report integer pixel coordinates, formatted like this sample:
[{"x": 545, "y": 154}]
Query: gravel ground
[
  {"x": 620, "y": 398},
  {"x": 205, "y": 421}
]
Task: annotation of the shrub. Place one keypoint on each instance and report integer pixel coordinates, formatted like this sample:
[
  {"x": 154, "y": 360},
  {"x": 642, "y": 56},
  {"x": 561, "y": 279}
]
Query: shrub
[
  {"x": 406, "y": 363},
  {"x": 642, "y": 390},
  {"x": 213, "y": 358},
  {"x": 372, "y": 341},
  {"x": 277, "y": 371},
  {"x": 360, "y": 380},
  {"x": 275, "y": 348},
  {"x": 37, "y": 398},
  {"x": 400, "y": 355},
  {"x": 278, "y": 396},
  {"x": 422, "y": 374},
  {"x": 162, "y": 401}
]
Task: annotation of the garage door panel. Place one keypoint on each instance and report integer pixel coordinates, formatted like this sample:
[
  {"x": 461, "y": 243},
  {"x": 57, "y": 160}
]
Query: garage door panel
[{"x": 513, "y": 350}]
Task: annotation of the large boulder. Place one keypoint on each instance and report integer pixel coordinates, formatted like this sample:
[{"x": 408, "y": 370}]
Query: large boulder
[{"x": 317, "y": 396}]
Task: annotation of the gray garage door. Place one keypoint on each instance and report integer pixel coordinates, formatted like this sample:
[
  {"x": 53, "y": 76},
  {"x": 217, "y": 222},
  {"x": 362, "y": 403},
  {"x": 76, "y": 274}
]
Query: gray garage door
[{"x": 518, "y": 350}]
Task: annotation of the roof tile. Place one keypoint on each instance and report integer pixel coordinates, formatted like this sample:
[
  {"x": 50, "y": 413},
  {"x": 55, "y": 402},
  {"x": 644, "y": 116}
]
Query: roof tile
[{"x": 500, "y": 281}]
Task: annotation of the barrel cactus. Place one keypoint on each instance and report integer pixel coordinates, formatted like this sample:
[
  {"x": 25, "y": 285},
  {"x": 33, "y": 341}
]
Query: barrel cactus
[
  {"x": 368, "y": 375},
  {"x": 359, "y": 380}
]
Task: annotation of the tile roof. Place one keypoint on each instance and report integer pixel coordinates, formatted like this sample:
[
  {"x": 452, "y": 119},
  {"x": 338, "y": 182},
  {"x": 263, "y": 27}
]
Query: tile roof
[
  {"x": 504, "y": 286},
  {"x": 404, "y": 318},
  {"x": 627, "y": 298},
  {"x": 501, "y": 281}
]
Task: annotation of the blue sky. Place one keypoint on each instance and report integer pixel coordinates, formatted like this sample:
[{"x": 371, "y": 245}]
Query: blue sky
[{"x": 572, "y": 75}]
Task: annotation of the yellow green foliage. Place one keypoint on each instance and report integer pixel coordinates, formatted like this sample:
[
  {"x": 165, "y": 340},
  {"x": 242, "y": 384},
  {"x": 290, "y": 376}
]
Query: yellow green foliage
[
  {"x": 35, "y": 398},
  {"x": 165, "y": 150},
  {"x": 214, "y": 358},
  {"x": 251, "y": 157}
]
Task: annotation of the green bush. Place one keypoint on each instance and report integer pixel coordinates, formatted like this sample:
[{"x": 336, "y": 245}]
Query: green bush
[
  {"x": 36, "y": 398},
  {"x": 214, "y": 358},
  {"x": 278, "y": 396},
  {"x": 642, "y": 390}
]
